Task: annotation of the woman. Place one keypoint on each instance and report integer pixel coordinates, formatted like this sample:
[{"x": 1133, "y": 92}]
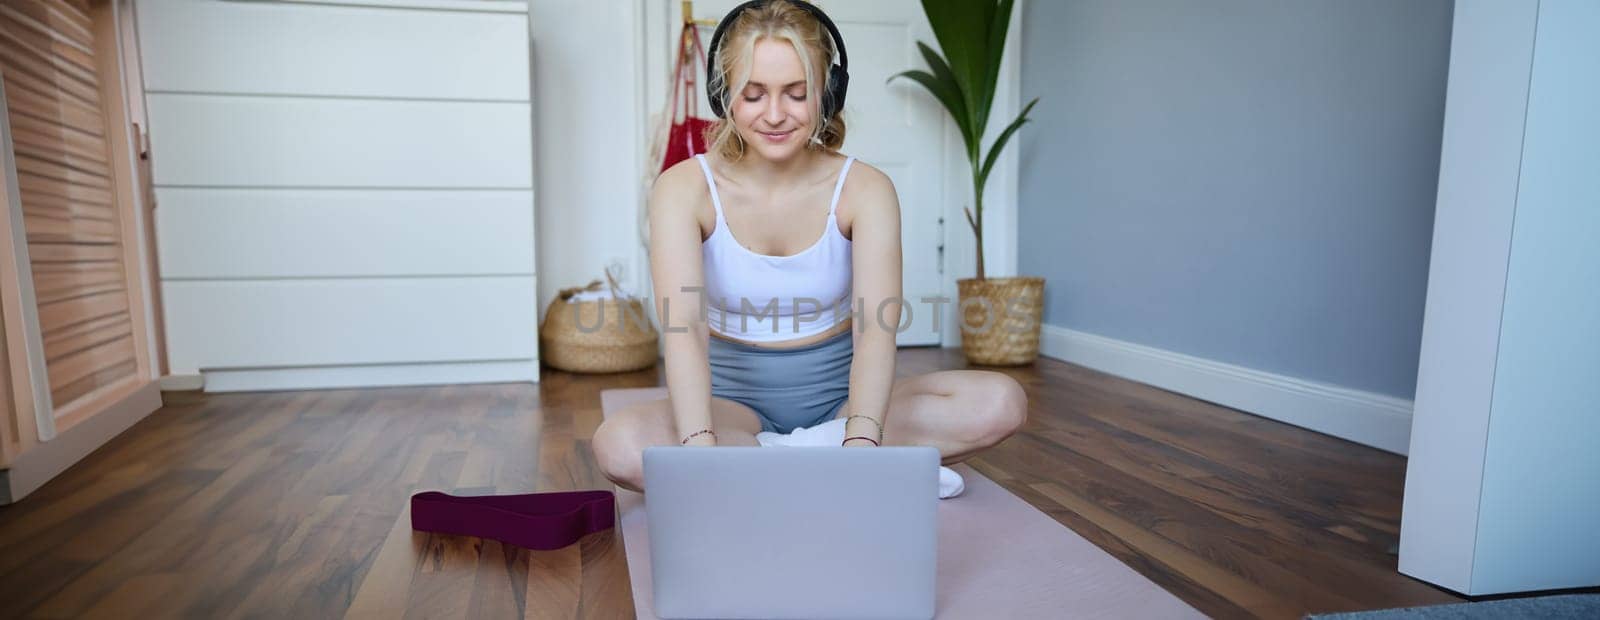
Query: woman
[{"x": 760, "y": 313}]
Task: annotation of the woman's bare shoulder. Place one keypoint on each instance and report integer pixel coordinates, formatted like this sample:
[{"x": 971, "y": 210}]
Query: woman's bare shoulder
[
  {"x": 866, "y": 187},
  {"x": 680, "y": 190},
  {"x": 682, "y": 178},
  {"x": 869, "y": 179}
]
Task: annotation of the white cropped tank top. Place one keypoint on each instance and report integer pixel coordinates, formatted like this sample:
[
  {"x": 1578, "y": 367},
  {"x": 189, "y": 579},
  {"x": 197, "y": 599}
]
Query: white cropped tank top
[{"x": 764, "y": 298}]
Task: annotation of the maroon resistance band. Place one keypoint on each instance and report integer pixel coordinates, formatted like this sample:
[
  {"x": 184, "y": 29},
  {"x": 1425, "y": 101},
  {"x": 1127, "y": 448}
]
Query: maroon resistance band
[{"x": 532, "y": 520}]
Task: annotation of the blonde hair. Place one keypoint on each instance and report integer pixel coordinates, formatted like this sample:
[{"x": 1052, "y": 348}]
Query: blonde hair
[{"x": 778, "y": 20}]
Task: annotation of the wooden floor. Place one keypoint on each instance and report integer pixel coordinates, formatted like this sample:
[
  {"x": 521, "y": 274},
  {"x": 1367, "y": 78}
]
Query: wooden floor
[{"x": 290, "y": 504}]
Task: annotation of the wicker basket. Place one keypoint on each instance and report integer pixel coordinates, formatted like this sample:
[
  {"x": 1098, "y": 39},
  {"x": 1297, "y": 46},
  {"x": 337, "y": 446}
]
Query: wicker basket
[
  {"x": 575, "y": 337},
  {"x": 1012, "y": 336}
]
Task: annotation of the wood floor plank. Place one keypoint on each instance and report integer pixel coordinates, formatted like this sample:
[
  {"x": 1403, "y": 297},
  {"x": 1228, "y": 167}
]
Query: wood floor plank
[
  {"x": 1205, "y": 600},
  {"x": 1273, "y": 467},
  {"x": 554, "y": 578},
  {"x": 387, "y": 586},
  {"x": 294, "y": 504},
  {"x": 500, "y": 583},
  {"x": 604, "y": 591},
  {"x": 163, "y": 546},
  {"x": 141, "y": 596},
  {"x": 1255, "y": 599},
  {"x": 443, "y": 586},
  {"x": 1249, "y": 553},
  {"x": 1225, "y": 496}
]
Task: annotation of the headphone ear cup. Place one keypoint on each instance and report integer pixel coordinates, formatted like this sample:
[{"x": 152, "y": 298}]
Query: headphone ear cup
[
  {"x": 713, "y": 99},
  {"x": 838, "y": 84},
  {"x": 713, "y": 94}
]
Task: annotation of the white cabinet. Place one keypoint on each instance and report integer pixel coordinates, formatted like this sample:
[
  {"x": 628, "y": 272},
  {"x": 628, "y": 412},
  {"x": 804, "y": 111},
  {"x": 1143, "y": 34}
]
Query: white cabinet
[{"x": 344, "y": 191}]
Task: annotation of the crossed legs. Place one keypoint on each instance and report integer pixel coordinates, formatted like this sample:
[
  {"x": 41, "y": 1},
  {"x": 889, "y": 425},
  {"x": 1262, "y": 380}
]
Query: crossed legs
[{"x": 960, "y": 412}]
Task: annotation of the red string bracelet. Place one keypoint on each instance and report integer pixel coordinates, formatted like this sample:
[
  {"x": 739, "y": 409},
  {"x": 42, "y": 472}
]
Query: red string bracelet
[{"x": 874, "y": 441}]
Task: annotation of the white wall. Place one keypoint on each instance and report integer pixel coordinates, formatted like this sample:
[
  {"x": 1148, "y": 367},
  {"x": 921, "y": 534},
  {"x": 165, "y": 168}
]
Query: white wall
[
  {"x": 1501, "y": 493},
  {"x": 590, "y": 141},
  {"x": 345, "y": 193}
]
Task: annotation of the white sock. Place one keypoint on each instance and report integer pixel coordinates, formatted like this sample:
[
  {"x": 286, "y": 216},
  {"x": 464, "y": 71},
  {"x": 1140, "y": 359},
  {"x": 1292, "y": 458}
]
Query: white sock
[
  {"x": 950, "y": 483},
  {"x": 831, "y": 433}
]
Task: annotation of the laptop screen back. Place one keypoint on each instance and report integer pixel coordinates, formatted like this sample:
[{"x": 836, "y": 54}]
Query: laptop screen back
[{"x": 743, "y": 532}]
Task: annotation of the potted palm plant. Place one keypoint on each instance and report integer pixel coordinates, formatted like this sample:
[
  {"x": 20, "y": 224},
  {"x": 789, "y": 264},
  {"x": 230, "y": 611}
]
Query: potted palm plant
[{"x": 1000, "y": 317}]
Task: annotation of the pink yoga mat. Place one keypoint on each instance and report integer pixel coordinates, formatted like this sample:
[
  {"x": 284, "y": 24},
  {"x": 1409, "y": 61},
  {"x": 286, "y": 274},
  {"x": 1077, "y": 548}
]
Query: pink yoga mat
[{"x": 999, "y": 557}]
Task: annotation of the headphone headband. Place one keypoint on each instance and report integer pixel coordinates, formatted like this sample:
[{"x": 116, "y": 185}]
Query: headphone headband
[{"x": 838, "y": 73}]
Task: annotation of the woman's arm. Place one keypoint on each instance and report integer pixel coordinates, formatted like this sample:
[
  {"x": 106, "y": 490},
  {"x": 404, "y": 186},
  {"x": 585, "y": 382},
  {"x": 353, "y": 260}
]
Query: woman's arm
[
  {"x": 678, "y": 276},
  {"x": 875, "y": 250}
]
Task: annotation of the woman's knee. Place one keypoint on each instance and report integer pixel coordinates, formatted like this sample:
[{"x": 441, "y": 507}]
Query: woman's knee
[
  {"x": 1004, "y": 407},
  {"x": 617, "y": 452}
]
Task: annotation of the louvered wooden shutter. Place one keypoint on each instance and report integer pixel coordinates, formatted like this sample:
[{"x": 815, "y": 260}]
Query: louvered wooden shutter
[{"x": 60, "y": 76}]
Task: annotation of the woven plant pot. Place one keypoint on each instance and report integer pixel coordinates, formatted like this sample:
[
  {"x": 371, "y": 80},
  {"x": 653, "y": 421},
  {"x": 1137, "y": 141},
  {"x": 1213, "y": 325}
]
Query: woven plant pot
[
  {"x": 577, "y": 337},
  {"x": 1013, "y": 313}
]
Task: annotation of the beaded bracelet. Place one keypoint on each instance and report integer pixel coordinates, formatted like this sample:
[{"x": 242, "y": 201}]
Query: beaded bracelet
[
  {"x": 869, "y": 419},
  {"x": 685, "y": 440},
  {"x": 847, "y": 439}
]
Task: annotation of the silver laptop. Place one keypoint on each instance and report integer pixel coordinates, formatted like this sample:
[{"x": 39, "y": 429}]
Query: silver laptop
[{"x": 785, "y": 532}]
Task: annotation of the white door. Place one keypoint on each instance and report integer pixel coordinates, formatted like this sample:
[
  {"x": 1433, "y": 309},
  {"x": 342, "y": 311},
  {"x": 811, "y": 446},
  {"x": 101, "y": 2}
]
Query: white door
[{"x": 896, "y": 127}]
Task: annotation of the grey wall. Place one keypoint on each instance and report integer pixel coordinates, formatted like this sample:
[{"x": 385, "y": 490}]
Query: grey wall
[{"x": 1250, "y": 182}]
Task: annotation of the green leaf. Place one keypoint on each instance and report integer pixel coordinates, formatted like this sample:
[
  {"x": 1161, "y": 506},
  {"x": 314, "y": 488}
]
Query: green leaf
[
  {"x": 995, "y": 44},
  {"x": 962, "y": 116},
  {"x": 962, "y": 28},
  {"x": 1000, "y": 143},
  {"x": 941, "y": 90}
]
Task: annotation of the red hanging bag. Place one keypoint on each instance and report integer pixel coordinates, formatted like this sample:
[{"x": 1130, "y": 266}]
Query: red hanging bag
[{"x": 686, "y": 137}]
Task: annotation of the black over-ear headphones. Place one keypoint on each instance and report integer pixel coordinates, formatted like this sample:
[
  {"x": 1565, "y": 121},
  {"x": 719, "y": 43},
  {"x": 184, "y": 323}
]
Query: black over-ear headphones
[{"x": 838, "y": 74}]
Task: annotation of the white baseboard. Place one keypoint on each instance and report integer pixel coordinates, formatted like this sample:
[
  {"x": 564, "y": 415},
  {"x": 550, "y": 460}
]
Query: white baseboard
[
  {"x": 182, "y": 383},
  {"x": 1375, "y": 420},
  {"x": 377, "y": 375},
  {"x": 47, "y": 460}
]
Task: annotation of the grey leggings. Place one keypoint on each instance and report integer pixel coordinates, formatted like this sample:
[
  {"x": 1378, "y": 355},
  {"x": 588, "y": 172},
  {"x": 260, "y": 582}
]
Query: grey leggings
[{"x": 788, "y": 388}]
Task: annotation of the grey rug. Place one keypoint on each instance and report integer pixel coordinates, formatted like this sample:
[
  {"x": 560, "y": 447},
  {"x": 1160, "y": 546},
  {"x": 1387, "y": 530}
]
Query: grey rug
[{"x": 1557, "y": 607}]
